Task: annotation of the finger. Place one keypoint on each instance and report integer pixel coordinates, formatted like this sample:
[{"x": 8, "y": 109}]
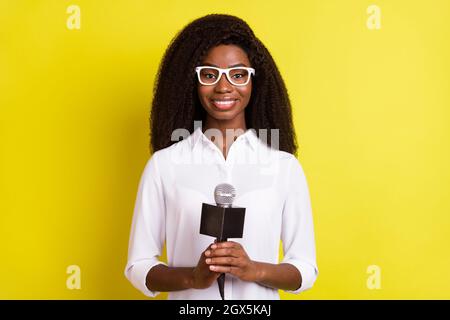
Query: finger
[
  {"x": 226, "y": 252},
  {"x": 225, "y": 269},
  {"x": 208, "y": 247},
  {"x": 226, "y": 261},
  {"x": 211, "y": 245},
  {"x": 226, "y": 244},
  {"x": 208, "y": 250}
]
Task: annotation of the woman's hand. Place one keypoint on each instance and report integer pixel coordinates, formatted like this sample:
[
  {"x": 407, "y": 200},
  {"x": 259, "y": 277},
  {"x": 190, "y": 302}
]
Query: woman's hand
[
  {"x": 203, "y": 277},
  {"x": 230, "y": 257}
]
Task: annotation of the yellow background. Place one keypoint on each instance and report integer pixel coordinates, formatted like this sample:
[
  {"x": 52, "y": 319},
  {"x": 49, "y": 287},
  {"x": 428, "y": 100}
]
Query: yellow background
[{"x": 371, "y": 112}]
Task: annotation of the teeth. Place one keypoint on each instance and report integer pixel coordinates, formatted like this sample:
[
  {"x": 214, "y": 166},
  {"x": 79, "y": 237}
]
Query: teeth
[{"x": 224, "y": 101}]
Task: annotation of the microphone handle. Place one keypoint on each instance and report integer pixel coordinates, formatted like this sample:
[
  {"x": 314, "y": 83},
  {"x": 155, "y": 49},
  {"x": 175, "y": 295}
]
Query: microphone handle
[
  {"x": 221, "y": 278},
  {"x": 221, "y": 283}
]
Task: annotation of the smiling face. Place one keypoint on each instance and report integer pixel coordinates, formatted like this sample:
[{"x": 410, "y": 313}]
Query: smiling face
[{"x": 224, "y": 102}]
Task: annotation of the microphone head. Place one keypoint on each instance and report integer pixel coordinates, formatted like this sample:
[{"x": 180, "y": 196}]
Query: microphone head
[{"x": 224, "y": 194}]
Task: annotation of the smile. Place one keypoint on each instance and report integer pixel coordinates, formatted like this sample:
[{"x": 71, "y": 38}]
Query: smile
[{"x": 224, "y": 104}]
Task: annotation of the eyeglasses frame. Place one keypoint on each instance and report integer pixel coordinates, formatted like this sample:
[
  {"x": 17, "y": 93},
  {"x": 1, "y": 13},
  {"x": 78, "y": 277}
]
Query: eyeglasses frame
[{"x": 225, "y": 71}]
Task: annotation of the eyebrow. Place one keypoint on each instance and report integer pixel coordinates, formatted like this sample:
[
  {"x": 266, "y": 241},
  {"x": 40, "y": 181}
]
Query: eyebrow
[{"x": 232, "y": 66}]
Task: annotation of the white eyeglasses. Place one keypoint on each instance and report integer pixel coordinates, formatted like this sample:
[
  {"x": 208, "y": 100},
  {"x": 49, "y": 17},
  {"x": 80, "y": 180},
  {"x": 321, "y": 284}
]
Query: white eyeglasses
[{"x": 238, "y": 76}]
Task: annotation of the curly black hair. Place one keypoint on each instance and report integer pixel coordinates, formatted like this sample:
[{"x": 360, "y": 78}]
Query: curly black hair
[{"x": 175, "y": 100}]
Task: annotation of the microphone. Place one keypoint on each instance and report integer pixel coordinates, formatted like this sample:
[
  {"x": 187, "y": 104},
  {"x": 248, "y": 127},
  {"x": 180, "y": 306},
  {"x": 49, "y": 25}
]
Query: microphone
[
  {"x": 224, "y": 195},
  {"x": 222, "y": 221}
]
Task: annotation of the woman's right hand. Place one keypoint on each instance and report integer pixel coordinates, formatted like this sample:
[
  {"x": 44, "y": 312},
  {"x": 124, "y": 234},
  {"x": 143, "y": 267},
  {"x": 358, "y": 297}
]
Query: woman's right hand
[{"x": 203, "y": 277}]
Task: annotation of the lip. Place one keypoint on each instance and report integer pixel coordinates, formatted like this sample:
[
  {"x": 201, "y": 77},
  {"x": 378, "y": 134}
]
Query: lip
[{"x": 224, "y": 104}]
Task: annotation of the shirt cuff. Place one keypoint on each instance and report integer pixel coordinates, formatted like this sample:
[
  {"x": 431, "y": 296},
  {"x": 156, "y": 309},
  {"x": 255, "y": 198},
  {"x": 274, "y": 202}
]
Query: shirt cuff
[
  {"x": 137, "y": 275},
  {"x": 308, "y": 273}
]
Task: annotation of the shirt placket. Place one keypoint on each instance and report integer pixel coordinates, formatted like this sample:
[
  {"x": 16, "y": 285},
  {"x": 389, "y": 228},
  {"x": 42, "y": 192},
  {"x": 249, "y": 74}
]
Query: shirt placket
[{"x": 225, "y": 166}]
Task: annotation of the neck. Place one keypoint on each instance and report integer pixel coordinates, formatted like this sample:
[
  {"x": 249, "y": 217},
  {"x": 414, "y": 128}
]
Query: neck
[
  {"x": 235, "y": 128},
  {"x": 223, "y": 125}
]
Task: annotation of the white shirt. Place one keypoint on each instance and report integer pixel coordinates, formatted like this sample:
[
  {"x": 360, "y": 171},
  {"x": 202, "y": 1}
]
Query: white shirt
[{"x": 269, "y": 183}]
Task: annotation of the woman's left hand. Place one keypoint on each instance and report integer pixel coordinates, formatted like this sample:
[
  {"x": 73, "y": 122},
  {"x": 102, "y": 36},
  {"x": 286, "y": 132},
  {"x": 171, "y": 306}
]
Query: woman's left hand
[{"x": 230, "y": 257}]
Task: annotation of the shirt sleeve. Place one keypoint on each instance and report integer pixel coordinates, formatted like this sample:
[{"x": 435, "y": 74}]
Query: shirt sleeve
[
  {"x": 148, "y": 228},
  {"x": 297, "y": 233}
]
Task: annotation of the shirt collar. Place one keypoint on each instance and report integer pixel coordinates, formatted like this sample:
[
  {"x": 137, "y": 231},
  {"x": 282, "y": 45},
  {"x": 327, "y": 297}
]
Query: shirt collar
[{"x": 250, "y": 136}]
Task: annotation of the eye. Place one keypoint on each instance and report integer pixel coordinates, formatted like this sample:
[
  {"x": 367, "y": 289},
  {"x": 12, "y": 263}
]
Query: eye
[
  {"x": 238, "y": 75},
  {"x": 208, "y": 74}
]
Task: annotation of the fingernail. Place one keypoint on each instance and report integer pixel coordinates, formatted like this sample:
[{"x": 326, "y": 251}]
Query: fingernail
[
  {"x": 212, "y": 268},
  {"x": 207, "y": 253},
  {"x": 213, "y": 246},
  {"x": 208, "y": 260}
]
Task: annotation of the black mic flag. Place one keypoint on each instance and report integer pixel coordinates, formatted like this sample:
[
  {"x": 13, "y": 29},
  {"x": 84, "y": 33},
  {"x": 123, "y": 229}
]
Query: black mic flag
[{"x": 222, "y": 221}]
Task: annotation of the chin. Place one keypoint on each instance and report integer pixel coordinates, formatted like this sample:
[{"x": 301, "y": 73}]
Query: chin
[{"x": 224, "y": 114}]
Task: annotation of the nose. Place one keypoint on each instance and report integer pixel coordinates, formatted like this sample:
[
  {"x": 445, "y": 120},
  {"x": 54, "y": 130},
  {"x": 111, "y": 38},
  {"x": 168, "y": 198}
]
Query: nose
[{"x": 223, "y": 85}]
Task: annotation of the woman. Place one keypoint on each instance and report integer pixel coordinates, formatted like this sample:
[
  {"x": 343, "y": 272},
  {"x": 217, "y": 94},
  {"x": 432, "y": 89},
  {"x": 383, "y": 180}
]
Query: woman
[{"x": 220, "y": 89}]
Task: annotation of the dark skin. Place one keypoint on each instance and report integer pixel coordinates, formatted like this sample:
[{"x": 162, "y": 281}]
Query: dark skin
[
  {"x": 225, "y": 56},
  {"x": 225, "y": 257}
]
